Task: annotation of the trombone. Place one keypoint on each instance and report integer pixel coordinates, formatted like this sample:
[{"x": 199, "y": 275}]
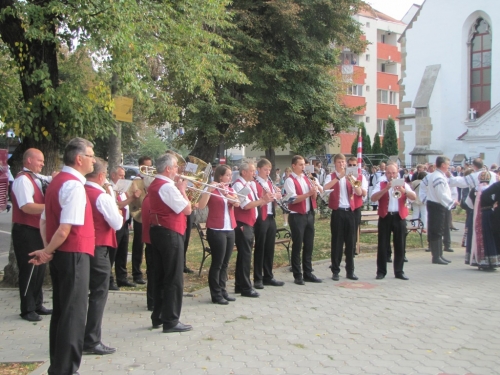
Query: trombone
[{"x": 195, "y": 180}]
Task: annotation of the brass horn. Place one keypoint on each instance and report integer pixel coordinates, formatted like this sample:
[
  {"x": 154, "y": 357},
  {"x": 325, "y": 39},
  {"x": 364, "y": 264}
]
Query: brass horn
[
  {"x": 354, "y": 182},
  {"x": 396, "y": 194}
]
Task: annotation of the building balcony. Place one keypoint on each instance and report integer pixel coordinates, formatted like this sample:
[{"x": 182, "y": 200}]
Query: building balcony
[
  {"x": 384, "y": 111},
  {"x": 387, "y": 81},
  {"x": 355, "y": 101},
  {"x": 388, "y": 52},
  {"x": 353, "y": 74}
]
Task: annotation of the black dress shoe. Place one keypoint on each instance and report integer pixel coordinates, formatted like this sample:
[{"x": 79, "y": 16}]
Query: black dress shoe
[
  {"x": 258, "y": 285},
  {"x": 446, "y": 260},
  {"x": 113, "y": 287},
  {"x": 405, "y": 259},
  {"x": 312, "y": 279},
  {"x": 188, "y": 270},
  {"x": 220, "y": 301},
  {"x": 140, "y": 281},
  {"x": 352, "y": 276},
  {"x": 227, "y": 298},
  {"x": 379, "y": 276},
  {"x": 449, "y": 250},
  {"x": 250, "y": 293},
  {"x": 157, "y": 324},
  {"x": 336, "y": 277},
  {"x": 150, "y": 308},
  {"x": 274, "y": 282},
  {"x": 453, "y": 228},
  {"x": 31, "y": 317},
  {"x": 178, "y": 328},
  {"x": 44, "y": 311},
  {"x": 389, "y": 260},
  {"x": 402, "y": 276},
  {"x": 99, "y": 349},
  {"x": 427, "y": 250},
  {"x": 125, "y": 283},
  {"x": 439, "y": 261},
  {"x": 299, "y": 281},
  {"x": 237, "y": 289}
]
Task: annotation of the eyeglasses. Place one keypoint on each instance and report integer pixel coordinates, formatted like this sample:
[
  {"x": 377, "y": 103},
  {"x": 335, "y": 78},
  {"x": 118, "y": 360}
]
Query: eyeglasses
[{"x": 89, "y": 156}]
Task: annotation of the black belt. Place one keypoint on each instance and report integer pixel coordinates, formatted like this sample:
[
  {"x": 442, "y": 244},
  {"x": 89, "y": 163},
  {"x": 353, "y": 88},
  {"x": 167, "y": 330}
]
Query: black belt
[
  {"x": 393, "y": 212},
  {"x": 344, "y": 209}
]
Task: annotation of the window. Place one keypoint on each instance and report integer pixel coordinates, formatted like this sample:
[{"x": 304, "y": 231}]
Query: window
[
  {"x": 356, "y": 90},
  {"x": 387, "y": 97},
  {"x": 382, "y": 68},
  {"x": 367, "y": 119},
  {"x": 367, "y": 57},
  {"x": 480, "y": 63},
  {"x": 381, "y": 127},
  {"x": 383, "y": 38},
  {"x": 368, "y": 24},
  {"x": 367, "y": 88}
]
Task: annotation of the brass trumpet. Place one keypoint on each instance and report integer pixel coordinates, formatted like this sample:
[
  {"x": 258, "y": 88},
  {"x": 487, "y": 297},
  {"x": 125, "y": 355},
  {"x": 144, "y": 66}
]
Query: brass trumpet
[
  {"x": 396, "y": 194},
  {"x": 147, "y": 170},
  {"x": 354, "y": 182}
]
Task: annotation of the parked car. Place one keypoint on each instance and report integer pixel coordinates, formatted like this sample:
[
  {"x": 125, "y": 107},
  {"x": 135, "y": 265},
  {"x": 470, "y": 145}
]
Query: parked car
[{"x": 131, "y": 171}]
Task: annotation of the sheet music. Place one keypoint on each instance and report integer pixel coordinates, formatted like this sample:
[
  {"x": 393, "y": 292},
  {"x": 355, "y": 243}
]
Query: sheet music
[
  {"x": 309, "y": 169},
  {"x": 122, "y": 185},
  {"x": 351, "y": 170},
  {"x": 191, "y": 168},
  {"x": 398, "y": 182}
]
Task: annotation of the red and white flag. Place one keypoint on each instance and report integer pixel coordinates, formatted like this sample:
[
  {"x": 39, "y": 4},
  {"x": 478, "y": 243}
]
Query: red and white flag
[{"x": 360, "y": 152}]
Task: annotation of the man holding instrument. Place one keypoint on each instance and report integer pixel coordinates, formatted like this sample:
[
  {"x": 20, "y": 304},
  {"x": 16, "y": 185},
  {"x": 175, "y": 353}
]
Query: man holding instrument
[
  {"x": 28, "y": 202},
  {"x": 265, "y": 230},
  {"x": 342, "y": 202},
  {"x": 392, "y": 211},
  {"x": 301, "y": 219}
]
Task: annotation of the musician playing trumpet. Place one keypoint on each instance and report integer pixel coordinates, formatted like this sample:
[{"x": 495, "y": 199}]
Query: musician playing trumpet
[
  {"x": 392, "y": 211},
  {"x": 342, "y": 222},
  {"x": 265, "y": 229},
  {"x": 220, "y": 231}
]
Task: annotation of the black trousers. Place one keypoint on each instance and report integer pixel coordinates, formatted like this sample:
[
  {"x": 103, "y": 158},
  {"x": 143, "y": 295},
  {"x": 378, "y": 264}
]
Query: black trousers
[
  {"x": 137, "y": 251},
  {"x": 244, "y": 241},
  {"x": 70, "y": 273},
  {"x": 302, "y": 228},
  {"x": 187, "y": 236},
  {"x": 342, "y": 229},
  {"x": 447, "y": 230},
  {"x": 168, "y": 257},
  {"x": 357, "y": 223},
  {"x": 150, "y": 266},
  {"x": 118, "y": 256},
  {"x": 263, "y": 256},
  {"x": 27, "y": 239},
  {"x": 392, "y": 223},
  {"x": 100, "y": 270},
  {"x": 221, "y": 244},
  {"x": 436, "y": 218}
]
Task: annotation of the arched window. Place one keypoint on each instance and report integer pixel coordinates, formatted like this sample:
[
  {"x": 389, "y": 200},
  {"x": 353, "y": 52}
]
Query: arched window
[{"x": 480, "y": 74}]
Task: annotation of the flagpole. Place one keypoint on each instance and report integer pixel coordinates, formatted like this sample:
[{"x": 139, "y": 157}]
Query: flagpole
[{"x": 360, "y": 152}]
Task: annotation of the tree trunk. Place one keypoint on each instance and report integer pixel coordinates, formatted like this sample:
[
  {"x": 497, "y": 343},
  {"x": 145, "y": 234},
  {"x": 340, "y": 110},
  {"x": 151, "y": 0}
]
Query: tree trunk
[
  {"x": 271, "y": 156},
  {"x": 203, "y": 150},
  {"x": 115, "y": 148}
]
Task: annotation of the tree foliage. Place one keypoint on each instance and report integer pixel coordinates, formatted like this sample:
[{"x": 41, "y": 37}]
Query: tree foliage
[
  {"x": 377, "y": 147},
  {"x": 390, "y": 145},
  {"x": 286, "y": 49},
  {"x": 367, "y": 147}
]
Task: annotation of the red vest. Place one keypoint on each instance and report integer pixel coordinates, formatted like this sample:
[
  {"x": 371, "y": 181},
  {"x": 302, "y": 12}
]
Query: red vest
[
  {"x": 160, "y": 213},
  {"x": 81, "y": 238},
  {"x": 216, "y": 205},
  {"x": 383, "y": 204},
  {"x": 20, "y": 217},
  {"x": 357, "y": 199},
  {"x": 104, "y": 234},
  {"x": 260, "y": 193},
  {"x": 301, "y": 206},
  {"x": 145, "y": 220},
  {"x": 245, "y": 216}
]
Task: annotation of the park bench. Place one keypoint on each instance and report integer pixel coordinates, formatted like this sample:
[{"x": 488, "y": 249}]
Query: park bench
[{"x": 283, "y": 237}]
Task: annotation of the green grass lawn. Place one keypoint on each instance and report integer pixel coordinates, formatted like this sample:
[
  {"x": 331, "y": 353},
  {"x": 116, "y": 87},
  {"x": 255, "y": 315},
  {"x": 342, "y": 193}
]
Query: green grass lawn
[{"x": 193, "y": 282}]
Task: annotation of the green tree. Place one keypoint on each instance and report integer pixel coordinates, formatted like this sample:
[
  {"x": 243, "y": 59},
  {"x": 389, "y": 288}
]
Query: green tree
[
  {"x": 367, "y": 147},
  {"x": 377, "y": 147},
  {"x": 390, "y": 145},
  {"x": 285, "y": 49}
]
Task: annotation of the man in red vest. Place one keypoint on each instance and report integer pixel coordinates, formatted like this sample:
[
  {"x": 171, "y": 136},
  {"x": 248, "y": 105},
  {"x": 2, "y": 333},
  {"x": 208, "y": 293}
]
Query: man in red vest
[
  {"x": 246, "y": 216},
  {"x": 67, "y": 230},
  {"x": 118, "y": 256},
  {"x": 392, "y": 214},
  {"x": 169, "y": 206},
  {"x": 342, "y": 202},
  {"x": 107, "y": 219},
  {"x": 301, "y": 220},
  {"x": 358, "y": 199},
  {"x": 265, "y": 230},
  {"x": 28, "y": 203}
]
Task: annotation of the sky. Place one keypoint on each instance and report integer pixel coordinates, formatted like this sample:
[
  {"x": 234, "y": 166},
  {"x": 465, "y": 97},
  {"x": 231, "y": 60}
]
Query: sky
[{"x": 394, "y": 8}]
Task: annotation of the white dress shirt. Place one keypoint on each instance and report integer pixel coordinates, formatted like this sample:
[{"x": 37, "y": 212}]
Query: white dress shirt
[
  {"x": 291, "y": 192},
  {"x": 435, "y": 188},
  {"x": 24, "y": 189},
  {"x": 239, "y": 184},
  {"x": 393, "y": 202},
  {"x": 106, "y": 205},
  {"x": 342, "y": 185},
  {"x": 171, "y": 196},
  {"x": 266, "y": 188}
]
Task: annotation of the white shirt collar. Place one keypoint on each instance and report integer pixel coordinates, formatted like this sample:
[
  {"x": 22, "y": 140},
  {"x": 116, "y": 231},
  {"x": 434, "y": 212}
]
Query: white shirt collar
[
  {"x": 165, "y": 178},
  {"x": 94, "y": 185},
  {"x": 75, "y": 173}
]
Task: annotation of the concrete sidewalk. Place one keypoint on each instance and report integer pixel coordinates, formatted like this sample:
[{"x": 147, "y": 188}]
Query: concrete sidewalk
[{"x": 444, "y": 320}]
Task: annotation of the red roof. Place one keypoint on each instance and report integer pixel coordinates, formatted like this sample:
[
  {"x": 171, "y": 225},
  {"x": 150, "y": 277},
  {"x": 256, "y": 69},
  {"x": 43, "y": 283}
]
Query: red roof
[{"x": 367, "y": 11}]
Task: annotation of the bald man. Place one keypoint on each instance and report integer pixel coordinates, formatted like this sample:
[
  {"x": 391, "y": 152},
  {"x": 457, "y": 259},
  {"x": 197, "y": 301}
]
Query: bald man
[{"x": 28, "y": 198}]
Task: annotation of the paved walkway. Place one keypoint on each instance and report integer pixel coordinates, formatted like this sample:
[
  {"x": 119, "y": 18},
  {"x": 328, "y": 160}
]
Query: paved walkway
[{"x": 443, "y": 321}]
